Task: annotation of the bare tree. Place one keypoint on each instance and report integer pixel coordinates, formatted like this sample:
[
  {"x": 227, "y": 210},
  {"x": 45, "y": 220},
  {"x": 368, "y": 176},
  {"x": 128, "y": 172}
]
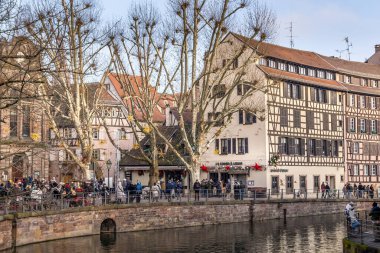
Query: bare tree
[
  {"x": 71, "y": 45},
  {"x": 182, "y": 56}
]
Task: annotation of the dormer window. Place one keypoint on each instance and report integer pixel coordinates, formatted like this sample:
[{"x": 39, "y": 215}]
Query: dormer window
[
  {"x": 263, "y": 61},
  {"x": 329, "y": 76},
  {"x": 311, "y": 72},
  {"x": 272, "y": 63},
  {"x": 302, "y": 71},
  {"x": 375, "y": 83},
  {"x": 320, "y": 74},
  {"x": 291, "y": 68},
  {"x": 347, "y": 79},
  {"x": 364, "y": 82},
  {"x": 282, "y": 66}
]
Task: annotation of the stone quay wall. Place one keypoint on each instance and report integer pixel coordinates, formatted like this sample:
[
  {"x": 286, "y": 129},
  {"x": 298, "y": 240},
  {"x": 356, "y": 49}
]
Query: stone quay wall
[{"x": 25, "y": 228}]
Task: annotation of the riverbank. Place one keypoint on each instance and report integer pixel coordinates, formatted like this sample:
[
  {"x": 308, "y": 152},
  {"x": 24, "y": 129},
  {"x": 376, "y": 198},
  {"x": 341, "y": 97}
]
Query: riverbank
[{"x": 25, "y": 228}]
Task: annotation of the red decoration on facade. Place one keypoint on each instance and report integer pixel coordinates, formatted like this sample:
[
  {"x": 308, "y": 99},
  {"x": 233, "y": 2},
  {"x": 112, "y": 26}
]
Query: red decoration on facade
[
  {"x": 257, "y": 167},
  {"x": 204, "y": 168},
  {"x": 228, "y": 167}
]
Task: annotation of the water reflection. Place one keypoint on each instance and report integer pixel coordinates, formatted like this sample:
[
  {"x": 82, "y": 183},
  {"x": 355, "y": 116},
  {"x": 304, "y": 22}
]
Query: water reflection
[{"x": 311, "y": 234}]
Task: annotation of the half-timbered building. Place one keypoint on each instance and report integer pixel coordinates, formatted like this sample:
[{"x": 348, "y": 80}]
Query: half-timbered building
[
  {"x": 300, "y": 143},
  {"x": 362, "y": 113}
]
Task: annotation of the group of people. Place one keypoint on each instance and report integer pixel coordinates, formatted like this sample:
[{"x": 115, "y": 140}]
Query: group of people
[
  {"x": 358, "y": 191},
  {"x": 353, "y": 221}
]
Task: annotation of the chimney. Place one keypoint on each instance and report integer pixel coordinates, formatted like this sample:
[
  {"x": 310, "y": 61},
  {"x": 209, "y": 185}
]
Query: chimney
[{"x": 377, "y": 48}]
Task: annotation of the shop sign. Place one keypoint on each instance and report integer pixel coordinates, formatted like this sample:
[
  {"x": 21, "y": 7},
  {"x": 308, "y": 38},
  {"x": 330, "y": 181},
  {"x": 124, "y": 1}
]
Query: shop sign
[
  {"x": 228, "y": 163},
  {"x": 279, "y": 170}
]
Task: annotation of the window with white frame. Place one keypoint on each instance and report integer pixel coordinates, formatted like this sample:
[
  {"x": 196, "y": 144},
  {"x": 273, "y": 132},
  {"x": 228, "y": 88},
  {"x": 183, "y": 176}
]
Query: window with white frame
[
  {"x": 362, "y": 125},
  {"x": 329, "y": 76},
  {"x": 364, "y": 82},
  {"x": 356, "y": 147},
  {"x": 375, "y": 83},
  {"x": 291, "y": 68},
  {"x": 96, "y": 154},
  {"x": 356, "y": 169},
  {"x": 242, "y": 145},
  {"x": 362, "y": 101},
  {"x": 272, "y": 63},
  {"x": 352, "y": 124},
  {"x": 311, "y": 72},
  {"x": 302, "y": 70},
  {"x": 320, "y": 74},
  {"x": 374, "y": 170},
  {"x": 347, "y": 79},
  {"x": 95, "y": 133},
  {"x": 373, "y": 103},
  {"x": 282, "y": 66},
  {"x": 263, "y": 61},
  {"x": 373, "y": 126},
  {"x": 366, "y": 169},
  {"x": 352, "y": 100}
]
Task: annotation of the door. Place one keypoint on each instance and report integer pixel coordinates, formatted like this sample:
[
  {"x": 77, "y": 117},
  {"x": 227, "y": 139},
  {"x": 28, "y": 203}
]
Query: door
[
  {"x": 214, "y": 176},
  {"x": 303, "y": 185},
  {"x": 332, "y": 182},
  {"x": 289, "y": 185},
  {"x": 274, "y": 184}
]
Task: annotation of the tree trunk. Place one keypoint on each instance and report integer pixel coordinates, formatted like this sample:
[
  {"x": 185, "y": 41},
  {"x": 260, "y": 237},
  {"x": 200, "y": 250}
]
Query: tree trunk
[{"x": 153, "y": 171}]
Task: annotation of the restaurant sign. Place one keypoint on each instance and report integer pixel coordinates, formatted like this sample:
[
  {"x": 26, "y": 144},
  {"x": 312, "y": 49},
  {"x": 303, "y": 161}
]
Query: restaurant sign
[{"x": 279, "y": 170}]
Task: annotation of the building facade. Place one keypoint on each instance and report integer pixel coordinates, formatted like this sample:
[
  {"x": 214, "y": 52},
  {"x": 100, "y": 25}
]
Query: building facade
[{"x": 321, "y": 123}]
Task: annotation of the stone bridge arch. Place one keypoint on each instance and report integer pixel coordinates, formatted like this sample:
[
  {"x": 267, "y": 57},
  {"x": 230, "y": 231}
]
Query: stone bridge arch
[{"x": 108, "y": 226}]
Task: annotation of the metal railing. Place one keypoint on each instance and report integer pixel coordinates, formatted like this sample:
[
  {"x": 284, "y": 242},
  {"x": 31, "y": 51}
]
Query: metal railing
[{"x": 32, "y": 202}]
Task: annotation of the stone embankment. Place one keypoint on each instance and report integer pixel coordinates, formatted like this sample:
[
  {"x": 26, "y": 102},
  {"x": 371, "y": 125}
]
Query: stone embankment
[{"x": 25, "y": 228}]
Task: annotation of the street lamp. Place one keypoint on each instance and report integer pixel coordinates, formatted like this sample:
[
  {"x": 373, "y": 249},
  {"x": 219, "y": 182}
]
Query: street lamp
[{"x": 108, "y": 163}]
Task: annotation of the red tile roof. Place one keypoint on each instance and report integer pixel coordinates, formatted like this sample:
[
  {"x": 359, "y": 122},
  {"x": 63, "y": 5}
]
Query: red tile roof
[
  {"x": 354, "y": 68},
  {"x": 136, "y": 82},
  {"x": 287, "y": 54}
]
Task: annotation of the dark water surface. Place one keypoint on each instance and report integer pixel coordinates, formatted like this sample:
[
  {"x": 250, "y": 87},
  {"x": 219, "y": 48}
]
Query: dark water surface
[{"x": 311, "y": 234}]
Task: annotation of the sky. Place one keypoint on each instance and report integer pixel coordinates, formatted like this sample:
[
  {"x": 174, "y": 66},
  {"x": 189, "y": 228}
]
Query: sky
[{"x": 318, "y": 25}]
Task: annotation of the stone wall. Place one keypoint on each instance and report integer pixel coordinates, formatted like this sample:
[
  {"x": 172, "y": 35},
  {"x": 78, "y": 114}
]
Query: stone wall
[
  {"x": 44, "y": 226},
  {"x": 5, "y": 234}
]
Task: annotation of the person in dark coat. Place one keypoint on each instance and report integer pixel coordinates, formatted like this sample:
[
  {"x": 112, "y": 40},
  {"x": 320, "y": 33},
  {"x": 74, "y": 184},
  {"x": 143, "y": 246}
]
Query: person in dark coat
[{"x": 197, "y": 188}]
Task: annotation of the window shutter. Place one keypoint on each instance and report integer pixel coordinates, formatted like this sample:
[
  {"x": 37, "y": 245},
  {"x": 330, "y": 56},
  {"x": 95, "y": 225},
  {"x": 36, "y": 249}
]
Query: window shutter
[
  {"x": 280, "y": 146},
  {"x": 302, "y": 143},
  {"x": 325, "y": 121},
  {"x": 350, "y": 147},
  {"x": 327, "y": 97},
  {"x": 333, "y": 97},
  {"x": 312, "y": 94},
  {"x": 378, "y": 126},
  {"x": 217, "y": 145},
  {"x": 246, "y": 145},
  {"x": 241, "y": 117},
  {"x": 318, "y": 144},
  {"x": 101, "y": 154},
  {"x": 285, "y": 89},
  {"x": 229, "y": 146},
  {"x": 357, "y": 125},
  {"x": 368, "y": 126},
  {"x": 283, "y": 117},
  {"x": 234, "y": 146},
  {"x": 358, "y": 101},
  {"x": 300, "y": 91},
  {"x": 368, "y": 102},
  {"x": 329, "y": 143},
  {"x": 334, "y": 122},
  {"x": 291, "y": 149}
]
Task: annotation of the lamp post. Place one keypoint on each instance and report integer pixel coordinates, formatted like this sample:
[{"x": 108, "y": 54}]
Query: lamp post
[{"x": 108, "y": 163}]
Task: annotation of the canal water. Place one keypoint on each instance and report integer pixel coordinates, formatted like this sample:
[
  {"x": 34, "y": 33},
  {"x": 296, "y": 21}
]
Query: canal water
[{"x": 306, "y": 234}]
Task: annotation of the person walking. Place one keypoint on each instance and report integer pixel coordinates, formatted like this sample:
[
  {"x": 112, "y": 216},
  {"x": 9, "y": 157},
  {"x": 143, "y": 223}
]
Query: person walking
[
  {"x": 196, "y": 187},
  {"x": 138, "y": 191},
  {"x": 323, "y": 188},
  {"x": 375, "y": 217},
  {"x": 155, "y": 192}
]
